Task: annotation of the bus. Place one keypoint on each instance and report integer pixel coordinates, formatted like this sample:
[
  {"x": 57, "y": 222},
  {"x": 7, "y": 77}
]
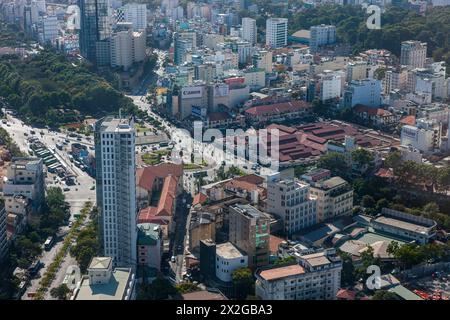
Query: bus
[{"x": 49, "y": 243}]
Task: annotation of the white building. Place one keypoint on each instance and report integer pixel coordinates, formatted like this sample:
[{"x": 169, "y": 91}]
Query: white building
[
  {"x": 321, "y": 35},
  {"x": 249, "y": 30},
  {"x": 228, "y": 259},
  {"x": 190, "y": 96},
  {"x": 330, "y": 85},
  {"x": 127, "y": 46},
  {"x": 413, "y": 53},
  {"x": 419, "y": 138},
  {"x": 316, "y": 276},
  {"x": 103, "y": 282},
  {"x": 136, "y": 13},
  {"x": 25, "y": 176},
  {"x": 291, "y": 201},
  {"x": 276, "y": 32},
  {"x": 116, "y": 188}
]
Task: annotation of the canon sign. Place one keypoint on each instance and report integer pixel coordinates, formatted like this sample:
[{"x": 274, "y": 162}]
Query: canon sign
[{"x": 192, "y": 92}]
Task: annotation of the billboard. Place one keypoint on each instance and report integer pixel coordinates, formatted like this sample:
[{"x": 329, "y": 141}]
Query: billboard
[
  {"x": 221, "y": 90},
  {"x": 192, "y": 92}
]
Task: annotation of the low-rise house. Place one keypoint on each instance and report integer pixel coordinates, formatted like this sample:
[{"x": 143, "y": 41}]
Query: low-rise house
[{"x": 278, "y": 111}]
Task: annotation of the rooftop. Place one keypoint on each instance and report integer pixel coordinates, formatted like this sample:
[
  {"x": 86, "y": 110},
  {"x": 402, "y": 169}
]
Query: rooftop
[
  {"x": 114, "y": 290},
  {"x": 100, "y": 263},
  {"x": 281, "y": 272},
  {"x": 228, "y": 251},
  {"x": 402, "y": 224}
]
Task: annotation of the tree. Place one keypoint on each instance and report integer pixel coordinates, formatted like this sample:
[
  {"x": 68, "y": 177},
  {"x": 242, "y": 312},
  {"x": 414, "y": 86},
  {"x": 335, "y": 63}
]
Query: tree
[
  {"x": 60, "y": 292},
  {"x": 368, "y": 201},
  {"x": 363, "y": 159},
  {"x": 159, "y": 289},
  {"x": 243, "y": 282},
  {"x": 385, "y": 295},
  {"x": 335, "y": 162},
  {"x": 348, "y": 270}
]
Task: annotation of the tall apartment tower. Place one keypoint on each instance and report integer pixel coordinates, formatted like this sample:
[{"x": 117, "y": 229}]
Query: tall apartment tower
[
  {"x": 95, "y": 27},
  {"x": 136, "y": 13},
  {"x": 249, "y": 230},
  {"x": 413, "y": 54},
  {"x": 249, "y": 30},
  {"x": 276, "y": 32},
  {"x": 116, "y": 188}
]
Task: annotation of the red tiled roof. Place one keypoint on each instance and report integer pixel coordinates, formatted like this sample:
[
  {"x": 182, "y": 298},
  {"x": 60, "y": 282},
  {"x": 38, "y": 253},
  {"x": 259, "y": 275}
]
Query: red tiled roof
[
  {"x": 408, "y": 120},
  {"x": 145, "y": 177},
  {"x": 278, "y": 108},
  {"x": 346, "y": 294},
  {"x": 274, "y": 242},
  {"x": 199, "y": 198},
  {"x": 168, "y": 196},
  {"x": 372, "y": 111},
  {"x": 384, "y": 173}
]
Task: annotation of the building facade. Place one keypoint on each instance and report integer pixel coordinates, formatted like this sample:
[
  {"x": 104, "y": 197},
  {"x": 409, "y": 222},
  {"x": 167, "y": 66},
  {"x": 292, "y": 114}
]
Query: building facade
[
  {"x": 276, "y": 32},
  {"x": 316, "y": 276},
  {"x": 291, "y": 201},
  {"x": 116, "y": 188},
  {"x": 249, "y": 230}
]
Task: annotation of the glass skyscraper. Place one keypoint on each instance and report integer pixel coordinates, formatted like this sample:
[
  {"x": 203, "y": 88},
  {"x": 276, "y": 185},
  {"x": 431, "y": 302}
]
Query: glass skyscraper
[{"x": 95, "y": 26}]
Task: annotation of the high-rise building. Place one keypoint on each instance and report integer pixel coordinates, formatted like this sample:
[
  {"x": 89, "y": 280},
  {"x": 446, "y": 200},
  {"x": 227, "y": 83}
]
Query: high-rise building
[
  {"x": 321, "y": 35},
  {"x": 48, "y": 29},
  {"x": 290, "y": 200},
  {"x": 3, "y": 238},
  {"x": 95, "y": 26},
  {"x": 116, "y": 188},
  {"x": 136, "y": 13},
  {"x": 413, "y": 54},
  {"x": 330, "y": 85},
  {"x": 126, "y": 46},
  {"x": 249, "y": 30},
  {"x": 276, "y": 32},
  {"x": 249, "y": 230},
  {"x": 182, "y": 45}
]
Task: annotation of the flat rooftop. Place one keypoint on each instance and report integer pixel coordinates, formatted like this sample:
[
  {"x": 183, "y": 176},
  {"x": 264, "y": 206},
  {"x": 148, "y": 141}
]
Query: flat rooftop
[
  {"x": 228, "y": 251},
  {"x": 402, "y": 225},
  {"x": 282, "y": 272},
  {"x": 316, "y": 259},
  {"x": 114, "y": 290}
]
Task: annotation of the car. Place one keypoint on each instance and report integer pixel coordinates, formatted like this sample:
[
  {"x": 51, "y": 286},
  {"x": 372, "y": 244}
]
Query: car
[
  {"x": 172, "y": 259},
  {"x": 66, "y": 189},
  {"x": 70, "y": 224}
]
